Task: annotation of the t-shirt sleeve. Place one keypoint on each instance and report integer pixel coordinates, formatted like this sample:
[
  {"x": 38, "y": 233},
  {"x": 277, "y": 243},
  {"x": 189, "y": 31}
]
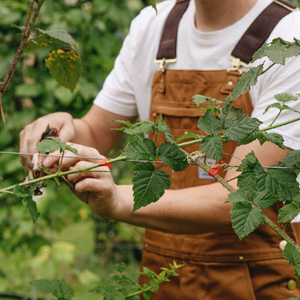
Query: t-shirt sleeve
[{"x": 117, "y": 94}]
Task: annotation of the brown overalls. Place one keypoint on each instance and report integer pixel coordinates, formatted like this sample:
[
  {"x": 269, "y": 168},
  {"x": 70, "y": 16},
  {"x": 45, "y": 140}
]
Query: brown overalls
[{"x": 216, "y": 266}]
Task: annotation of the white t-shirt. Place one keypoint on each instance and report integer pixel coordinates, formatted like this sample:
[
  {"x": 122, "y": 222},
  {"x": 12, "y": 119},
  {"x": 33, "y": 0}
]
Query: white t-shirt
[{"x": 127, "y": 90}]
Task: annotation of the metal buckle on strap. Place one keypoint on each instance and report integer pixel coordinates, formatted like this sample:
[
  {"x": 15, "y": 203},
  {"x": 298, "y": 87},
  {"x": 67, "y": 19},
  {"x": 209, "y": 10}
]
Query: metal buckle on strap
[
  {"x": 236, "y": 63},
  {"x": 163, "y": 62},
  {"x": 285, "y": 6}
]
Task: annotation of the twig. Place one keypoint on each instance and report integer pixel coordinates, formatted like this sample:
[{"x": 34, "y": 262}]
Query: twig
[{"x": 28, "y": 28}]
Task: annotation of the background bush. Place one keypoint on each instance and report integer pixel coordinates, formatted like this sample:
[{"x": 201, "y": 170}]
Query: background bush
[{"x": 68, "y": 241}]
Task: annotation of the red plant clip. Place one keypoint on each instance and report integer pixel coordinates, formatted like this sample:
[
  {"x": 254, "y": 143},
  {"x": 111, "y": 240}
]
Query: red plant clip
[
  {"x": 216, "y": 170},
  {"x": 103, "y": 163}
]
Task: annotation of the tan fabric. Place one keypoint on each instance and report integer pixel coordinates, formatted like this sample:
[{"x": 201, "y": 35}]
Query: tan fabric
[{"x": 216, "y": 266}]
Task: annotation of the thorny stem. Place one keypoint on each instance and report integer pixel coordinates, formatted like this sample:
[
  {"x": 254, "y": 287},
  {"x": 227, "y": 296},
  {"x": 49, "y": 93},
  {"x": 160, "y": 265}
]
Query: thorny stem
[{"x": 28, "y": 28}]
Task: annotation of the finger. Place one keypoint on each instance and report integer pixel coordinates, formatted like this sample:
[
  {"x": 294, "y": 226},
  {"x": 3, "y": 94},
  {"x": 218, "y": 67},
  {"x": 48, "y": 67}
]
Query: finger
[
  {"x": 97, "y": 172},
  {"x": 83, "y": 154}
]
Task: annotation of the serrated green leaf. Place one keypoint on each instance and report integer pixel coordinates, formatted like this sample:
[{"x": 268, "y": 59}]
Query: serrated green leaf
[
  {"x": 63, "y": 291},
  {"x": 245, "y": 82},
  {"x": 65, "y": 66},
  {"x": 120, "y": 267},
  {"x": 141, "y": 149},
  {"x": 110, "y": 291},
  {"x": 256, "y": 134},
  {"x": 253, "y": 176},
  {"x": 272, "y": 137},
  {"x": 162, "y": 126},
  {"x": 172, "y": 156},
  {"x": 236, "y": 196},
  {"x": 264, "y": 199},
  {"x": 49, "y": 145},
  {"x": 288, "y": 213},
  {"x": 282, "y": 182},
  {"x": 260, "y": 52},
  {"x": 212, "y": 146},
  {"x": 60, "y": 36},
  {"x": 291, "y": 254},
  {"x": 238, "y": 130},
  {"x": 21, "y": 192},
  {"x": 279, "y": 50},
  {"x": 148, "y": 184},
  {"x": 46, "y": 286},
  {"x": 292, "y": 159},
  {"x": 31, "y": 207},
  {"x": 209, "y": 123},
  {"x": 285, "y": 97},
  {"x": 245, "y": 218}
]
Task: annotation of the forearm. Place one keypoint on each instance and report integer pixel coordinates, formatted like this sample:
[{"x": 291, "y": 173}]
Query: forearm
[{"x": 187, "y": 211}]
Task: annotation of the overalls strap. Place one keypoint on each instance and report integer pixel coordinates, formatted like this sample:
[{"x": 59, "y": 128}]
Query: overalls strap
[{"x": 249, "y": 43}]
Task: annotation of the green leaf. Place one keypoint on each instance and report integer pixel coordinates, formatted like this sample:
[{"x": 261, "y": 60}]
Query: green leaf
[
  {"x": 36, "y": 43},
  {"x": 141, "y": 149},
  {"x": 148, "y": 184},
  {"x": 189, "y": 135},
  {"x": 238, "y": 130},
  {"x": 52, "y": 144},
  {"x": 282, "y": 182},
  {"x": 264, "y": 199},
  {"x": 292, "y": 159},
  {"x": 212, "y": 146},
  {"x": 172, "y": 156},
  {"x": 288, "y": 213},
  {"x": 65, "y": 66},
  {"x": 32, "y": 90},
  {"x": 291, "y": 254},
  {"x": 21, "y": 192},
  {"x": 285, "y": 97},
  {"x": 297, "y": 271},
  {"x": 64, "y": 291},
  {"x": 245, "y": 82},
  {"x": 273, "y": 105},
  {"x": 162, "y": 126},
  {"x": 31, "y": 207},
  {"x": 245, "y": 218},
  {"x": 46, "y": 286},
  {"x": 279, "y": 50},
  {"x": 200, "y": 99},
  {"x": 209, "y": 123},
  {"x": 294, "y": 298},
  {"x": 260, "y": 53},
  {"x": 256, "y": 134},
  {"x": 59, "y": 36},
  {"x": 236, "y": 196},
  {"x": 273, "y": 137},
  {"x": 120, "y": 267},
  {"x": 253, "y": 176},
  {"x": 147, "y": 295}
]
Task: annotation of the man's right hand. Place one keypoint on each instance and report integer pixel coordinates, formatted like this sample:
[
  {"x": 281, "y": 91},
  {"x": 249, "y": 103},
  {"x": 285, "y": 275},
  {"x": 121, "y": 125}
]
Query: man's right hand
[{"x": 32, "y": 133}]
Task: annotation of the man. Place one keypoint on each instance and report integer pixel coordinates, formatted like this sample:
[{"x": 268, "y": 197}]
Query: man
[{"x": 216, "y": 265}]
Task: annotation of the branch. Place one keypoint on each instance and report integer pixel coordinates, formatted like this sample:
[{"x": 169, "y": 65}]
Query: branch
[{"x": 26, "y": 34}]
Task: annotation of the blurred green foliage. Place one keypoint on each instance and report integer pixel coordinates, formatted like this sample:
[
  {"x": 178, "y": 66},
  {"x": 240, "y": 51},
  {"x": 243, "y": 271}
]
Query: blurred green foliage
[{"x": 68, "y": 240}]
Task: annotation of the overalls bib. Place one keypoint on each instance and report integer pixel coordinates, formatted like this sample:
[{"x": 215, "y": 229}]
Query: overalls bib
[{"x": 217, "y": 266}]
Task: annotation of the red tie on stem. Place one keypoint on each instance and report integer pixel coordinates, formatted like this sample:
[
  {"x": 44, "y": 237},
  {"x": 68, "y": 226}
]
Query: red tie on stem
[
  {"x": 103, "y": 163},
  {"x": 214, "y": 171}
]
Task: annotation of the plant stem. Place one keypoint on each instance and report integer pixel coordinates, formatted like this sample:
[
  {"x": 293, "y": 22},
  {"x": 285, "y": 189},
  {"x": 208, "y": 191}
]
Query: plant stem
[
  {"x": 28, "y": 28},
  {"x": 280, "y": 124}
]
